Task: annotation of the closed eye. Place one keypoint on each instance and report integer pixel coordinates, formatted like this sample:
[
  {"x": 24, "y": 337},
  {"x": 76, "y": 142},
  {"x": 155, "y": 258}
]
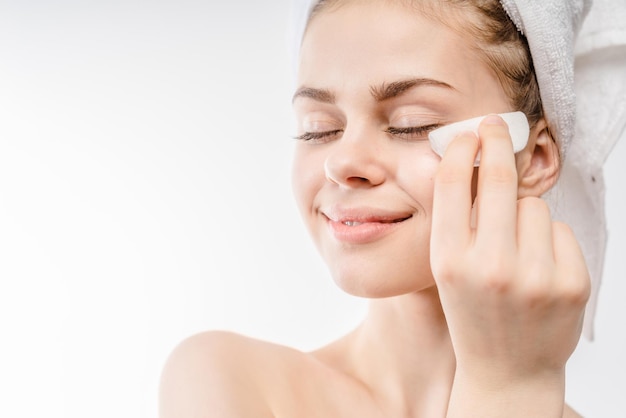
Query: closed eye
[
  {"x": 412, "y": 132},
  {"x": 319, "y": 136}
]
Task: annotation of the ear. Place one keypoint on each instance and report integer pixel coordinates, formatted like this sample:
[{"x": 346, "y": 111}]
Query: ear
[{"x": 539, "y": 164}]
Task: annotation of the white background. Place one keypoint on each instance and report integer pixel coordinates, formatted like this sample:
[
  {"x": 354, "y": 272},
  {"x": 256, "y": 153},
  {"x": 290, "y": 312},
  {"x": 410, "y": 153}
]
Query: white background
[{"x": 145, "y": 196}]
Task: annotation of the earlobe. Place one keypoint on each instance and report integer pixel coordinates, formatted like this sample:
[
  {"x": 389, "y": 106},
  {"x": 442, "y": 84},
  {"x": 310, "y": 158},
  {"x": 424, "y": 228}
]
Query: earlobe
[{"x": 539, "y": 164}]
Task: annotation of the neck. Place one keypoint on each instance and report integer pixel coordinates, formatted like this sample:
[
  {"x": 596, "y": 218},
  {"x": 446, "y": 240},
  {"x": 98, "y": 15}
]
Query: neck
[{"x": 403, "y": 354}]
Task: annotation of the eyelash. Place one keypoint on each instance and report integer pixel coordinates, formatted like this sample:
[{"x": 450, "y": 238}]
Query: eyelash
[
  {"x": 412, "y": 132},
  {"x": 404, "y": 133},
  {"x": 316, "y": 136}
]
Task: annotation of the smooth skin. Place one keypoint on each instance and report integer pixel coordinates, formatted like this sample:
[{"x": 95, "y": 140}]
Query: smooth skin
[{"x": 477, "y": 297}]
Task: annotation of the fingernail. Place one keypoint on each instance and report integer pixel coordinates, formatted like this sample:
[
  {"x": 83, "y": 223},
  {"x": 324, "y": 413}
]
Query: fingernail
[{"x": 493, "y": 120}]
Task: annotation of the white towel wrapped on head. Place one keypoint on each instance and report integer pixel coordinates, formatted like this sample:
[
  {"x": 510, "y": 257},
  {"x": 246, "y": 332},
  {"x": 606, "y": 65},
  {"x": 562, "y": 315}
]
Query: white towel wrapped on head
[{"x": 581, "y": 73}]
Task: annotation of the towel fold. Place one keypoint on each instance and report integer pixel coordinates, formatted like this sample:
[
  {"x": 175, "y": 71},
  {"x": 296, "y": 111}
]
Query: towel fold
[
  {"x": 581, "y": 71},
  {"x": 600, "y": 86}
]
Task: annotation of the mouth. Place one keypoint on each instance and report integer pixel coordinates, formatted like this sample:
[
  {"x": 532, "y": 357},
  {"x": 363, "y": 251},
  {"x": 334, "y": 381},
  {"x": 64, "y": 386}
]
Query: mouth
[
  {"x": 363, "y": 225},
  {"x": 354, "y": 223}
]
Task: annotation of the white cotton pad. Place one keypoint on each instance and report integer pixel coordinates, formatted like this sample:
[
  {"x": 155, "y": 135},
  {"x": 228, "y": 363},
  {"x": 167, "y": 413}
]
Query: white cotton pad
[{"x": 518, "y": 129}]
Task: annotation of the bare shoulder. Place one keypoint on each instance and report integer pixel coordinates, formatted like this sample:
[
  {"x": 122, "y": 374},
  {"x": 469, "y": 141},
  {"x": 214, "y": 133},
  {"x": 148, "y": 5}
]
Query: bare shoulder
[{"x": 223, "y": 374}]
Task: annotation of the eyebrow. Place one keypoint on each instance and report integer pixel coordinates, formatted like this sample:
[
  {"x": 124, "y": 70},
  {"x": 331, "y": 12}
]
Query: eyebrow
[
  {"x": 394, "y": 89},
  {"x": 320, "y": 95},
  {"x": 380, "y": 93}
]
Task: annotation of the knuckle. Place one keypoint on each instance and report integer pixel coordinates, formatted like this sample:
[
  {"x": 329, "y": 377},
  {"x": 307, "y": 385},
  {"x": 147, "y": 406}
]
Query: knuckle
[
  {"x": 500, "y": 175},
  {"x": 497, "y": 276},
  {"x": 497, "y": 285},
  {"x": 444, "y": 271},
  {"x": 576, "y": 291},
  {"x": 539, "y": 281},
  {"x": 537, "y": 291}
]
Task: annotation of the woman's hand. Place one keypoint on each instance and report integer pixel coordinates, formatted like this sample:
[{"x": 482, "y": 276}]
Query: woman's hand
[{"x": 512, "y": 283}]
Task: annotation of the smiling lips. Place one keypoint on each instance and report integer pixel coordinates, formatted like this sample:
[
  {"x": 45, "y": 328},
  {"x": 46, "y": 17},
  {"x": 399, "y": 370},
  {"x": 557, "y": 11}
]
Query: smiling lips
[
  {"x": 362, "y": 226},
  {"x": 373, "y": 220}
]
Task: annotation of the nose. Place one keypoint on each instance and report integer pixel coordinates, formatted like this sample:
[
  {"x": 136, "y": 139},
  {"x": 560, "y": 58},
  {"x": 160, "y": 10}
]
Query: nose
[{"x": 356, "y": 162}]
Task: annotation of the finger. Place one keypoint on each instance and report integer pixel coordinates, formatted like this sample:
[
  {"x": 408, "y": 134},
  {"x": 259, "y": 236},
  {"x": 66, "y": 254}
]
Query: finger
[
  {"x": 574, "y": 275},
  {"x": 452, "y": 200},
  {"x": 497, "y": 184},
  {"x": 534, "y": 230}
]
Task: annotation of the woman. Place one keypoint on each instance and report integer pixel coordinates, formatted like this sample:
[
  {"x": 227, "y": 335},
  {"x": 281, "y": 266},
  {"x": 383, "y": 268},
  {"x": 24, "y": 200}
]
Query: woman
[{"x": 477, "y": 296}]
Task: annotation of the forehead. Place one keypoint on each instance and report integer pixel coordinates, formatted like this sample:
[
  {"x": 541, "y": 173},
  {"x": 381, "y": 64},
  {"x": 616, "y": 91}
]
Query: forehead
[{"x": 381, "y": 39}]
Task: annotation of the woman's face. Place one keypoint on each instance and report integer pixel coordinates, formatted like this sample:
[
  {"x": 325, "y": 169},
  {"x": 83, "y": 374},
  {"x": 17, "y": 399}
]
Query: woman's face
[{"x": 373, "y": 79}]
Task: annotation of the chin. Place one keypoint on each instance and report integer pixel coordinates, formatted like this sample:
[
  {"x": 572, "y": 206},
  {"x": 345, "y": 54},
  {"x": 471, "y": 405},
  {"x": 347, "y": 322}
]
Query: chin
[{"x": 381, "y": 280}]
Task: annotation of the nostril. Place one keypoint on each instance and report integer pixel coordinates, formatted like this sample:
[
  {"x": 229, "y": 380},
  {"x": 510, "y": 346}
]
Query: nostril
[
  {"x": 359, "y": 179},
  {"x": 350, "y": 166}
]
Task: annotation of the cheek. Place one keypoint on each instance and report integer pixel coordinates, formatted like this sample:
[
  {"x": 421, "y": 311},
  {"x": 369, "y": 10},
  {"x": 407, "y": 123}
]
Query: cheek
[
  {"x": 416, "y": 176},
  {"x": 306, "y": 177}
]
